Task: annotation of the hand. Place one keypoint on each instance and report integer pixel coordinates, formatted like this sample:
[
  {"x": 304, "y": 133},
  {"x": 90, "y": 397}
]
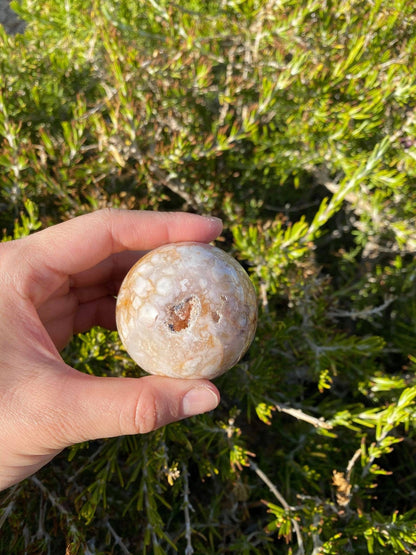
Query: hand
[{"x": 62, "y": 281}]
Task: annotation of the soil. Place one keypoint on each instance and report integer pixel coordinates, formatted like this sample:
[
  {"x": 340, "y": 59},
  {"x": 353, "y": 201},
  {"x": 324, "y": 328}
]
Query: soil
[{"x": 9, "y": 19}]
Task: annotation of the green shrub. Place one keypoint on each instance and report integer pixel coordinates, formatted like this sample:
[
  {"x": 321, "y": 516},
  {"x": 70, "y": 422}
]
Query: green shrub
[{"x": 294, "y": 122}]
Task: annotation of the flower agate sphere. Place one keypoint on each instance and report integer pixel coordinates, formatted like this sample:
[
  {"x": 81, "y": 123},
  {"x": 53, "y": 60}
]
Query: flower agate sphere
[{"x": 186, "y": 310}]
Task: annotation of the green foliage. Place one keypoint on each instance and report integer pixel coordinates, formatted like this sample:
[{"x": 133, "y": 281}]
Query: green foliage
[{"x": 294, "y": 121}]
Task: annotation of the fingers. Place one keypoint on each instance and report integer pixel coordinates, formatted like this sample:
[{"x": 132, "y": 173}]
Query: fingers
[
  {"x": 100, "y": 312},
  {"x": 62, "y": 326},
  {"x": 56, "y": 406},
  {"x": 108, "y": 407},
  {"x": 82, "y": 243},
  {"x": 111, "y": 270}
]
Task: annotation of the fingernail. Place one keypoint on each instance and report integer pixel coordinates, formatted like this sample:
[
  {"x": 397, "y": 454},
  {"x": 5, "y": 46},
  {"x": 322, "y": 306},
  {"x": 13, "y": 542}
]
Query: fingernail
[
  {"x": 199, "y": 400},
  {"x": 213, "y": 219}
]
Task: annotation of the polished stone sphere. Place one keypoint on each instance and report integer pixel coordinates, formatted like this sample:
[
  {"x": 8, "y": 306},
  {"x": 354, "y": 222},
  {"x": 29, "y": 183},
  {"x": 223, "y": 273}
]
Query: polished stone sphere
[{"x": 187, "y": 310}]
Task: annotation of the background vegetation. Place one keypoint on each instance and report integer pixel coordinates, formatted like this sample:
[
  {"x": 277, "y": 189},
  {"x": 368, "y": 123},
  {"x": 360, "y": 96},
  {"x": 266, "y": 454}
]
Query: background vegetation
[{"x": 295, "y": 122}]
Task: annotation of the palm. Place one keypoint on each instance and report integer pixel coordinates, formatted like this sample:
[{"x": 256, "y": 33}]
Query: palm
[{"x": 84, "y": 300}]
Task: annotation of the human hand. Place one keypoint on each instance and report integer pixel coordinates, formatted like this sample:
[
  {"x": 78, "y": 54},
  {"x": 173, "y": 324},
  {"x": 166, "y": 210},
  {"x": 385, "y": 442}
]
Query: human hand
[{"x": 61, "y": 281}]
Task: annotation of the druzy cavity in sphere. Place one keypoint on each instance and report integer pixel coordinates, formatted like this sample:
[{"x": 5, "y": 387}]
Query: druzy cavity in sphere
[{"x": 186, "y": 310}]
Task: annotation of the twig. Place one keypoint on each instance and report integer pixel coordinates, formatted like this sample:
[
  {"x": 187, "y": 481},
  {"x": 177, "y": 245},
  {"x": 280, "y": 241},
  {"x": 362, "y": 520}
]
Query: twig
[
  {"x": 363, "y": 314},
  {"x": 282, "y": 501},
  {"x": 263, "y": 297},
  {"x": 351, "y": 463},
  {"x": 228, "y": 79},
  {"x": 186, "y": 509},
  {"x": 117, "y": 539},
  {"x": 50, "y": 495},
  {"x": 174, "y": 187},
  {"x": 300, "y": 415},
  {"x": 11, "y": 498},
  {"x": 342, "y": 482},
  {"x": 53, "y": 499}
]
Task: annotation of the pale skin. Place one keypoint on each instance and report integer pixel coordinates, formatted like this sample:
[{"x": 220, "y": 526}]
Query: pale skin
[{"x": 62, "y": 281}]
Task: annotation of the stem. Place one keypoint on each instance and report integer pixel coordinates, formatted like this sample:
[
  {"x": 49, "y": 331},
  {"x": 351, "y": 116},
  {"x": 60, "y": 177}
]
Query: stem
[
  {"x": 300, "y": 415},
  {"x": 11, "y": 497},
  {"x": 282, "y": 501},
  {"x": 118, "y": 541},
  {"x": 53, "y": 498},
  {"x": 186, "y": 509}
]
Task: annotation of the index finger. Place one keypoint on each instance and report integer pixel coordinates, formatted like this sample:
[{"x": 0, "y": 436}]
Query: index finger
[{"x": 83, "y": 242}]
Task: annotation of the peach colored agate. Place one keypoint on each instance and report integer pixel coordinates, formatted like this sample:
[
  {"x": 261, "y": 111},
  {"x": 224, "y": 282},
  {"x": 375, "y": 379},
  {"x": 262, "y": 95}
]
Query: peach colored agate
[{"x": 187, "y": 310}]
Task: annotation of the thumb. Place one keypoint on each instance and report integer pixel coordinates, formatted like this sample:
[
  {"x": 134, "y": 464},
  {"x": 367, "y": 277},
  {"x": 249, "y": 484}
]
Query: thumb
[{"x": 99, "y": 407}]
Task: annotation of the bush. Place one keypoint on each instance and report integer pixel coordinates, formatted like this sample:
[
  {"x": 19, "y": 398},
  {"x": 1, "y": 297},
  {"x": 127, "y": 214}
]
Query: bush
[{"x": 294, "y": 122}]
